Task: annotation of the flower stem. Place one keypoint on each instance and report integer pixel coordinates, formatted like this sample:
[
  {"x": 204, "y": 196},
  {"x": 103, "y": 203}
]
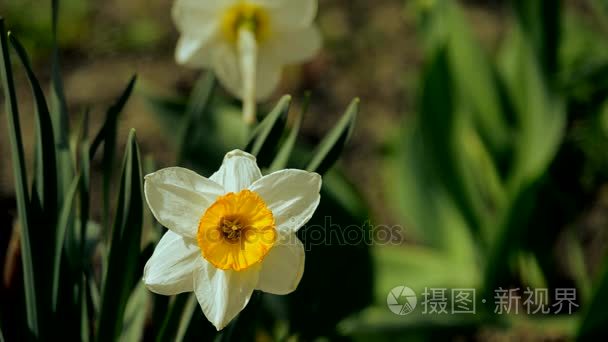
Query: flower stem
[{"x": 248, "y": 50}]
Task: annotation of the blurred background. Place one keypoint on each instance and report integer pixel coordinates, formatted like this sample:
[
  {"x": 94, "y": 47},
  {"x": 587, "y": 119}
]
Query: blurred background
[{"x": 481, "y": 143}]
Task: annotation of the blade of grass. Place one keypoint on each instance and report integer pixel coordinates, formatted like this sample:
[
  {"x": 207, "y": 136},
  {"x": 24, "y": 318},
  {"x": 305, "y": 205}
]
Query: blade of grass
[
  {"x": 330, "y": 148},
  {"x": 282, "y": 158},
  {"x": 20, "y": 178},
  {"x": 123, "y": 272}
]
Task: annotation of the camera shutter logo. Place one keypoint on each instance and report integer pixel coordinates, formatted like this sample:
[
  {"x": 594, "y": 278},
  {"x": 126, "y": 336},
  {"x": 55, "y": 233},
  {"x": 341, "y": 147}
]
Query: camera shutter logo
[{"x": 401, "y": 300}]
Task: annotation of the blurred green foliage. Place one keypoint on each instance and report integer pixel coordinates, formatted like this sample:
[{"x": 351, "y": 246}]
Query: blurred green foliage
[
  {"x": 81, "y": 27},
  {"x": 504, "y": 155}
]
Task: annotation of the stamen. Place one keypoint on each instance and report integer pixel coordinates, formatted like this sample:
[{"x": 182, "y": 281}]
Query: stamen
[{"x": 231, "y": 229}]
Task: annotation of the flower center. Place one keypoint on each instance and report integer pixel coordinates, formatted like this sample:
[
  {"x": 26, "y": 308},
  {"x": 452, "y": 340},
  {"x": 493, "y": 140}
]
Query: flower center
[
  {"x": 236, "y": 231},
  {"x": 231, "y": 229},
  {"x": 245, "y": 15}
]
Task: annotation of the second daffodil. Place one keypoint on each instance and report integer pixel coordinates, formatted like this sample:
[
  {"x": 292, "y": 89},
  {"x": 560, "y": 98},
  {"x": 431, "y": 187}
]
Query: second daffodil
[
  {"x": 229, "y": 234},
  {"x": 246, "y": 42}
]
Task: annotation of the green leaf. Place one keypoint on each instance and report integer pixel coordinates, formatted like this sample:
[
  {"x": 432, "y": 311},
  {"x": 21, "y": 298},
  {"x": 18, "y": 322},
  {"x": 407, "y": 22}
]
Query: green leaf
[
  {"x": 123, "y": 260},
  {"x": 107, "y": 135},
  {"x": 108, "y": 130},
  {"x": 171, "y": 323},
  {"x": 45, "y": 179},
  {"x": 266, "y": 135},
  {"x": 282, "y": 157},
  {"x": 135, "y": 314},
  {"x": 196, "y": 108},
  {"x": 85, "y": 172},
  {"x": 186, "y": 318},
  {"x": 20, "y": 179},
  {"x": 595, "y": 316},
  {"x": 59, "y": 110},
  {"x": 541, "y": 22},
  {"x": 539, "y": 114},
  {"x": 472, "y": 74},
  {"x": 329, "y": 150},
  {"x": 44, "y": 184},
  {"x": 85, "y": 332},
  {"x": 62, "y": 228}
]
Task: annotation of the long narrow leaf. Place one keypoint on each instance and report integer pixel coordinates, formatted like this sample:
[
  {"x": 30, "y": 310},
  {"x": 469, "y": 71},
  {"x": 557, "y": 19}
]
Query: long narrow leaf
[
  {"x": 541, "y": 22},
  {"x": 59, "y": 112},
  {"x": 107, "y": 135},
  {"x": 62, "y": 227},
  {"x": 45, "y": 186},
  {"x": 85, "y": 170},
  {"x": 123, "y": 270},
  {"x": 172, "y": 320},
  {"x": 282, "y": 158},
  {"x": 195, "y": 110},
  {"x": 20, "y": 178},
  {"x": 329, "y": 150},
  {"x": 595, "y": 319},
  {"x": 267, "y": 134},
  {"x": 112, "y": 117},
  {"x": 46, "y": 173},
  {"x": 85, "y": 332}
]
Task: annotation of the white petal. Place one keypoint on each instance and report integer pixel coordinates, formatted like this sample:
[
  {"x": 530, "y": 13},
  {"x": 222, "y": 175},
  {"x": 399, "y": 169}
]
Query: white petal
[
  {"x": 238, "y": 171},
  {"x": 226, "y": 67},
  {"x": 283, "y": 267},
  {"x": 193, "y": 16},
  {"x": 268, "y": 75},
  {"x": 171, "y": 268},
  {"x": 290, "y": 47},
  {"x": 223, "y": 294},
  {"x": 292, "y": 195},
  {"x": 287, "y": 14},
  {"x": 195, "y": 52},
  {"x": 178, "y": 198},
  {"x": 195, "y": 20}
]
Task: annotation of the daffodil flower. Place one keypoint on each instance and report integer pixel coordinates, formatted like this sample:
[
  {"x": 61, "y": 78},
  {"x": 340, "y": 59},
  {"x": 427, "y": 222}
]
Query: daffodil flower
[
  {"x": 229, "y": 234},
  {"x": 246, "y": 42}
]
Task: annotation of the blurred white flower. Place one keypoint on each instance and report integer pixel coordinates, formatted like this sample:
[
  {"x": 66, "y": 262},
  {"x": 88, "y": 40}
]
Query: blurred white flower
[
  {"x": 229, "y": 234},
  {"x": 246, "y": 42}
]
